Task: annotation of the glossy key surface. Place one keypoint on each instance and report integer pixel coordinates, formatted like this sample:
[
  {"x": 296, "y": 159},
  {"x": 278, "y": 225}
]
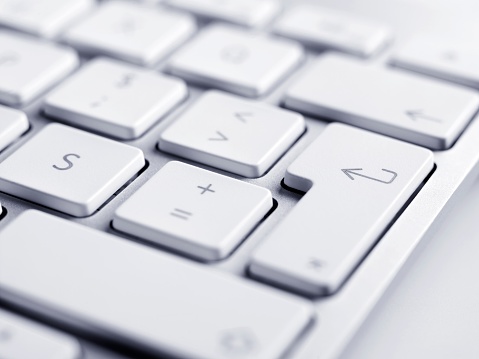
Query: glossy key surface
[
  {"x": 114, "y": 98},
  {"x": 416, "y": 109},
  {"x": 29, "y": 67},
  {"x": 237, "y": 135},
  {"x": 356, "y": 183},
  {"x": 194, "y": 211},
  {"x": 452, "y": 59},
  {"x": 143, "y": 297},
  {"x": 132, "y": 32},
  {"x": 24, "y": 339},
  {"x": 46, "y": 18},
  {"x": 237, "y": 60},
  {"x": 13, "y": 124},
  {"x": 69, "y": 170},
  {"x": 330, "y": 29},
  {"x": 252, "y": 13}
]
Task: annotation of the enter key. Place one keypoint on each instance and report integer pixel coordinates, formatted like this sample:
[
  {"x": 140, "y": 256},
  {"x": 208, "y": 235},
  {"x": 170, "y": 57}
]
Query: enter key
[{"x": 356, "y": 182}]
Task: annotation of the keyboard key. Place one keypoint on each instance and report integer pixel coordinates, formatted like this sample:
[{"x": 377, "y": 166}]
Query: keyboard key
[
  {"x": 132, "y": 32},
  {"x": 419, "y": 110},
  {"x": 99, "y": 97},
  {"x": 29, "y": 67},
  {"x": 69, "y": 170},
  {"x": 23, "y": 339},
  {"x": 13, "y": 124},
  {"x": 332, "y": 29},
  {"x": 180, "y": 207},
  {"x": 452, "y": 60},
  {"x": 356, "y": 182},
  {"x": 240, "y": 136},
  {"x": 252, "y": 13},
  {"x": 236, "y": 60},
  {"x": 42, "y": 17},
  {"x": 143, "y": 297}
]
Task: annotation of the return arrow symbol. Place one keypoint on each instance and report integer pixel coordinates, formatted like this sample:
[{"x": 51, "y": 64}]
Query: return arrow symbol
[{"x": 352, "y": 172}]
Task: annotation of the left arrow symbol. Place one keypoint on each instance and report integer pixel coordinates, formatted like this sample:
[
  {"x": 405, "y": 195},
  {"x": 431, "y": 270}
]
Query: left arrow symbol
[
  {"x": 419, "y": 115},
  {"x": 220, "y": 137}
]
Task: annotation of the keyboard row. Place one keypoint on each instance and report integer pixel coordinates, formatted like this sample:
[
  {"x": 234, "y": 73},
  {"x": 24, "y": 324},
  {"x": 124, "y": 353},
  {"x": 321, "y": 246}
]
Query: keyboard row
[
  {"x": 144, "y": 35},
  {"x": 360, "y": 182},
  {"x": 199, "y": 213},
  {"x": 387, "y": 101}
]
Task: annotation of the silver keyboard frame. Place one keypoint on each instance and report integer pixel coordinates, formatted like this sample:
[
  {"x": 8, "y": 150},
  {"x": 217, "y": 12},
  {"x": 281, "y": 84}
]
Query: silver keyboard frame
[{"x": 338, "y": 316}]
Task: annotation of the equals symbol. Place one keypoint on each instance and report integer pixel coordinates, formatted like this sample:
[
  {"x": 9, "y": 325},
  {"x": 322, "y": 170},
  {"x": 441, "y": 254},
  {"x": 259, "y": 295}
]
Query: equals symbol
[{"x": 179, "y": 213}]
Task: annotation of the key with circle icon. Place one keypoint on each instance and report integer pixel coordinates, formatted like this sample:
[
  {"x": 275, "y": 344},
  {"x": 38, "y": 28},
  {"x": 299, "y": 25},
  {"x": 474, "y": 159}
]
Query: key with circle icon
[{"x": 236, "y": 60}]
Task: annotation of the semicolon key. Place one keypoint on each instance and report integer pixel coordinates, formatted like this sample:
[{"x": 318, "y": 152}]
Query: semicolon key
[{"x": 356, "y": 182}]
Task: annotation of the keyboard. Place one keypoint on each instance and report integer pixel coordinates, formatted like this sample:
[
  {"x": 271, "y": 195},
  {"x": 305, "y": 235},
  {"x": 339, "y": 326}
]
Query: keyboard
[{"x": 216, "y": 179}]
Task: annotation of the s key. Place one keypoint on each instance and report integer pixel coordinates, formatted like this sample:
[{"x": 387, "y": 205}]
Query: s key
[{"x": 69, "y": 170}]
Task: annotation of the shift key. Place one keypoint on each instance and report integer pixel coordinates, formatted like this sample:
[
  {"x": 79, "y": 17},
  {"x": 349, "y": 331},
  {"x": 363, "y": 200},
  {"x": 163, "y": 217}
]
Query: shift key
[{"x": 355, "y": 183}]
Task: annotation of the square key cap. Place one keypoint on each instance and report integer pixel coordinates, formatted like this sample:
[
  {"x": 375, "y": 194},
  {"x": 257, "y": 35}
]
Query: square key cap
[
  {"x": 69, "y": 170},
  {"x": 194, "y": 211},
  {"x": 236, "y": 60},
  {"x": 44, "y": 18},
  {"x": 237, "y": 135},
  {"x": 29, "y": 67},
  {"x": 115, "y": 98},
  {"x": 330, "y": 29},
  {"x": 251, "y": 13},
  {"x": 12, "y": 124},
  {"x": 132, "y": 32}
]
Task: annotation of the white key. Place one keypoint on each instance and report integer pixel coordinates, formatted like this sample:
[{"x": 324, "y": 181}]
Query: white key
[
  {"x": 194, "y": 211},
  {"x": 69, "y": 170},
  {"x": 236, "y": 60},
  {"x": 42, "y": 17},
  {"x": 13, "y": 124},
  {"x": 144, "y": 297},
  {"x": 252, "y": 13},
  {"x": 453, "y": 60},
  {"x": 23, "y": 339},
  {"x": 356, "y": 182},
  {"x": 29, "y": 67},
  {"x": 240, "y": 136},
  {"x": 419, "y": 110},
  {"x": 114, "y": 98},
  {"x": 132, "y": 32},
  {"x": 332, "y": 29}
]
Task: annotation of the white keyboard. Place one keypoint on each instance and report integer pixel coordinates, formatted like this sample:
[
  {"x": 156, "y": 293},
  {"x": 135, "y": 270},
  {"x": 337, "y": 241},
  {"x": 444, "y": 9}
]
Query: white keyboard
[{"x": 217, "y": 179}]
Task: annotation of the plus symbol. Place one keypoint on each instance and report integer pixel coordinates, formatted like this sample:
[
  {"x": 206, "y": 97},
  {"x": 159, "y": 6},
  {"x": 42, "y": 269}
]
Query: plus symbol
[{"x": 206, "y": 189}]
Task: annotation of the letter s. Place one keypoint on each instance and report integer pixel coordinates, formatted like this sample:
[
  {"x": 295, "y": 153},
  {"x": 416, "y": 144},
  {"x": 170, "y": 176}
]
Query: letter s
[{"x": 65, "y": 158}]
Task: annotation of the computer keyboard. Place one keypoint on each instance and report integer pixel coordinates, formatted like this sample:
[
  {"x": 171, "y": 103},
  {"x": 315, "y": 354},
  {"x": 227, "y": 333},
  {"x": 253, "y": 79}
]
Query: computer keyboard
[{"x": 172, "y": 187}]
